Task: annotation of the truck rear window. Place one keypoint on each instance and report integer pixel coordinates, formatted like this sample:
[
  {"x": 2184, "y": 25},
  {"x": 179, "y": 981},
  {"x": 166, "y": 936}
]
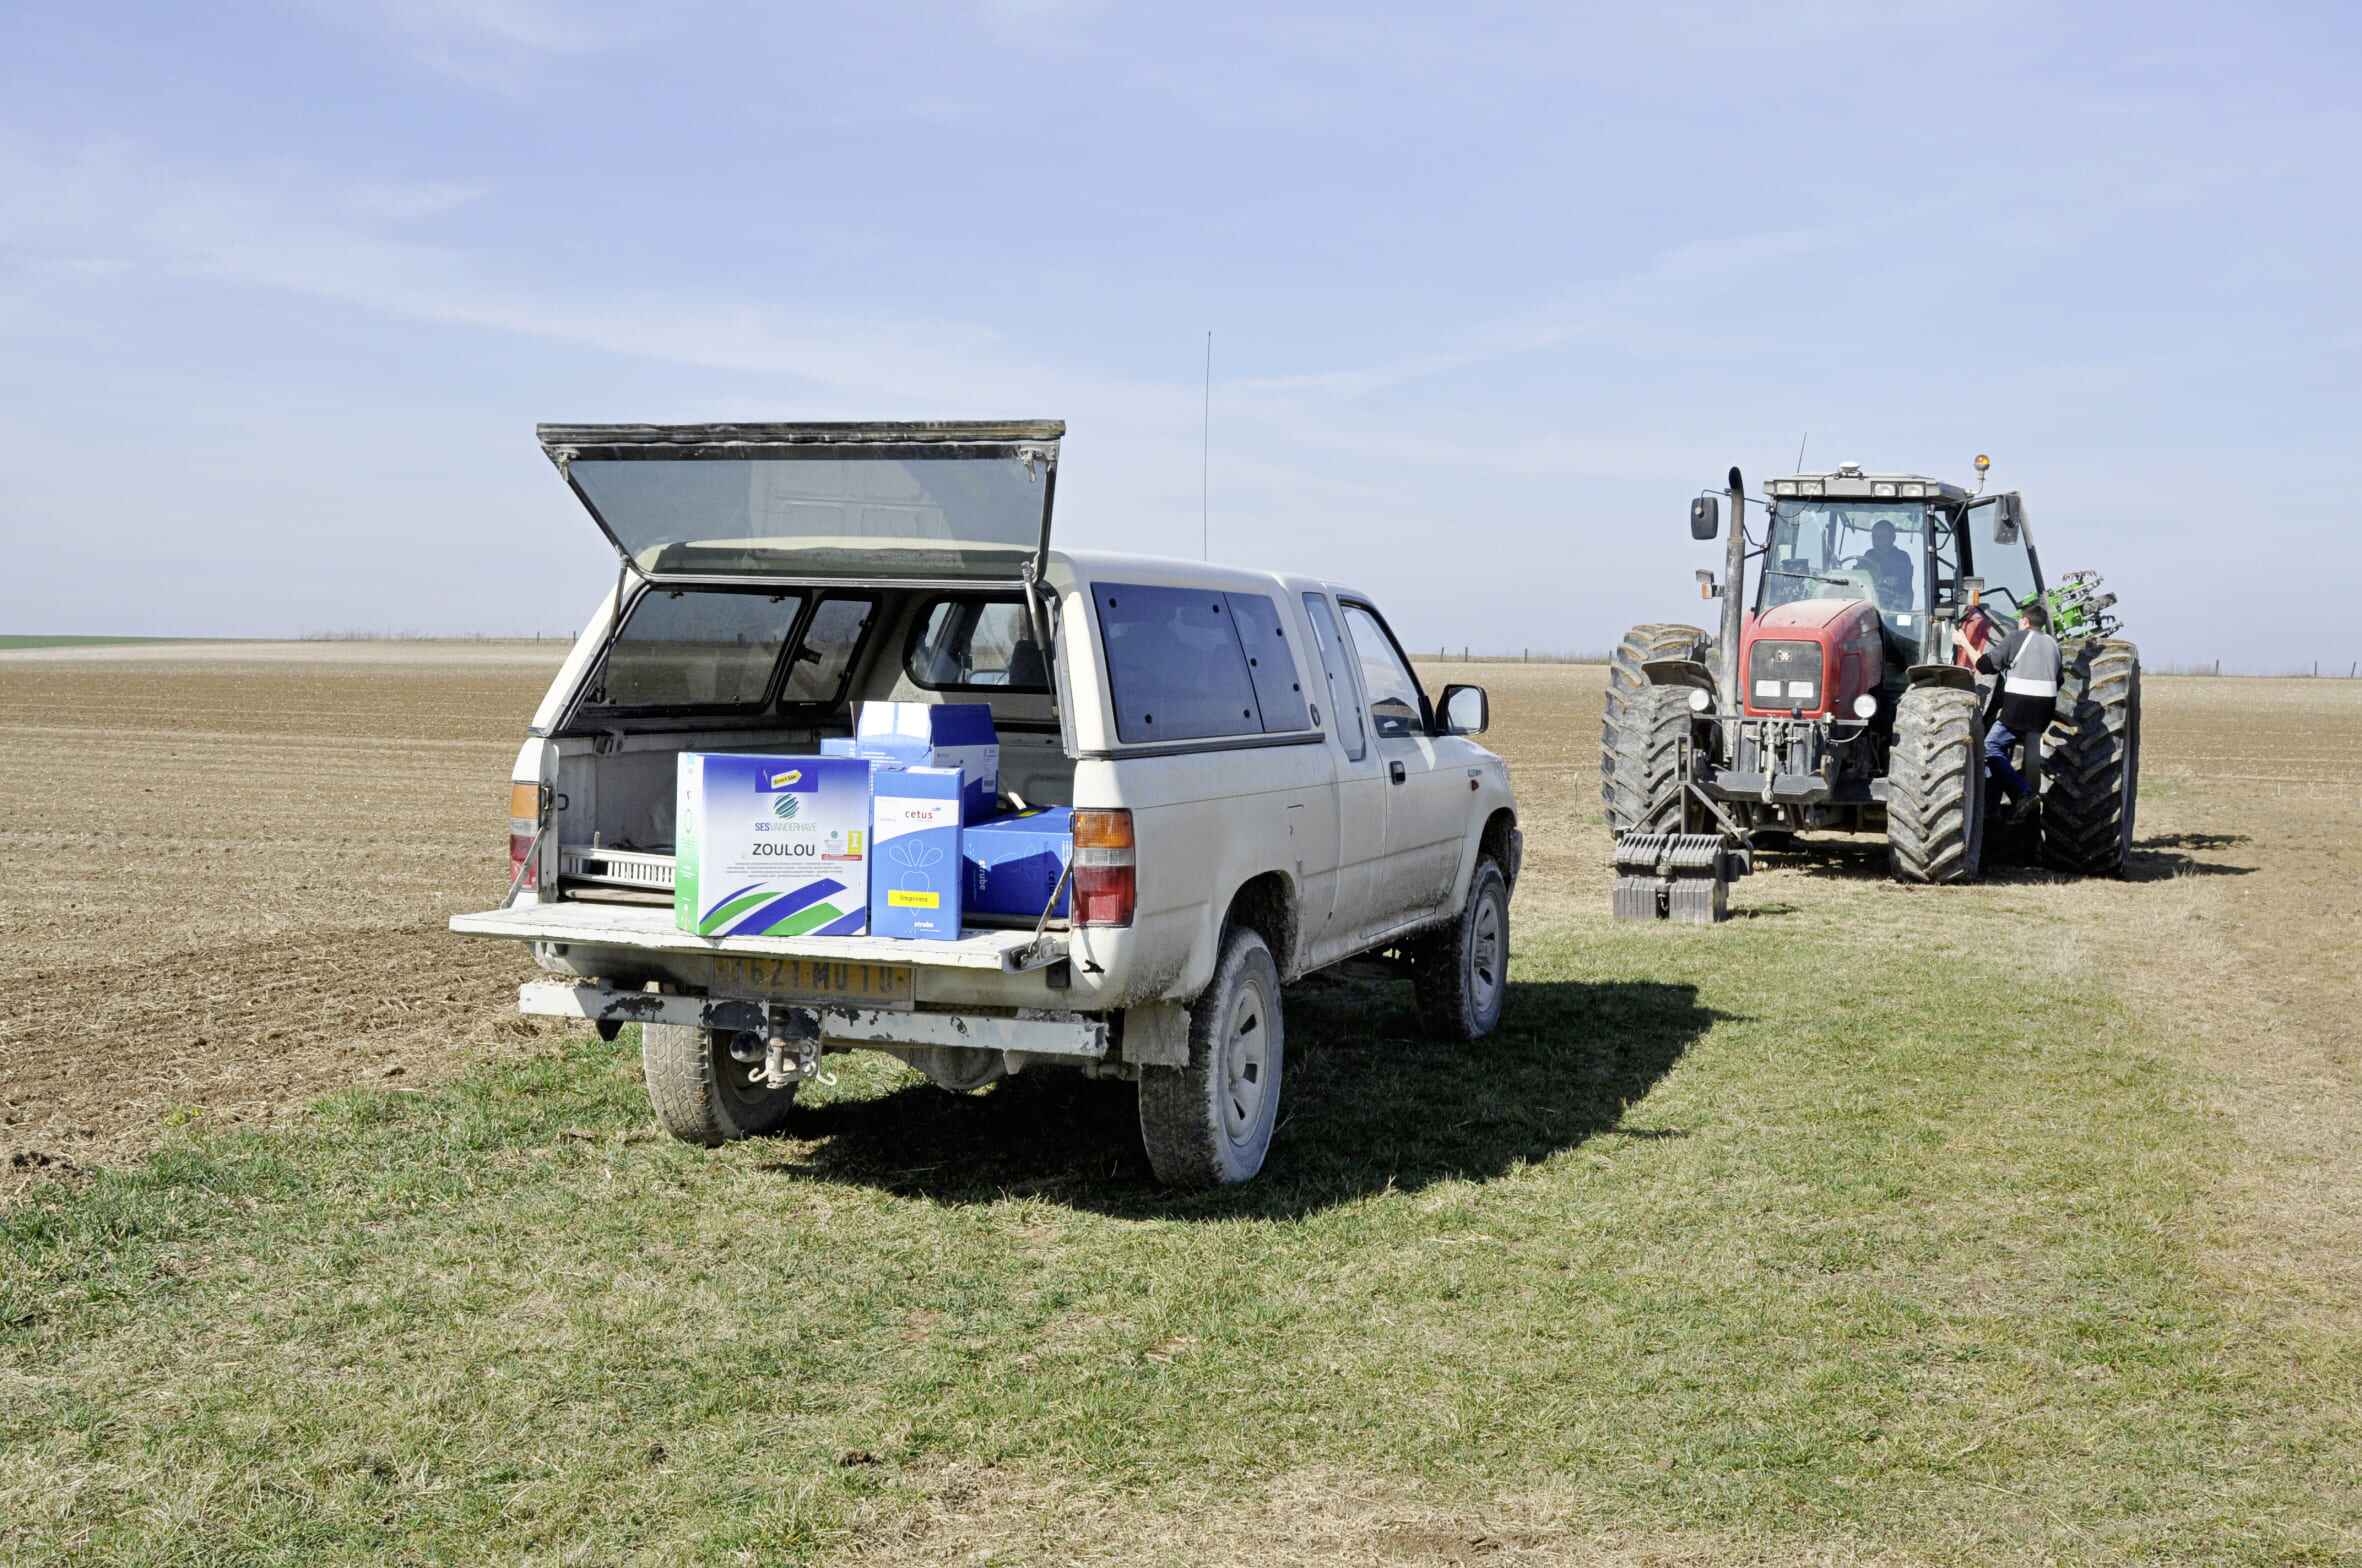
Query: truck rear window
[
  {"x": 690, "y": 650},
  {"x": 1197, "y": 664}
]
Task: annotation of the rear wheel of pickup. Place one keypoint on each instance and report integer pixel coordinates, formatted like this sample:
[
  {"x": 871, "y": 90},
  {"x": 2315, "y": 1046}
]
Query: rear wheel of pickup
[
  {"x": 1209, "y": 1124},
  {"x": 1460, "y": 975},
  {"x": 700, "y": 1093}
]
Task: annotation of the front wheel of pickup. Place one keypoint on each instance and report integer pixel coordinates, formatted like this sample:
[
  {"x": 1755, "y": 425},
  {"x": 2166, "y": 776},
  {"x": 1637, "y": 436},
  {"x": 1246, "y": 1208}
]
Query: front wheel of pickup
[
  {"x": 700, "y": 1093},
  {"x": 1460, "y": 975},
  {"x": 1209, "y": 1124}
]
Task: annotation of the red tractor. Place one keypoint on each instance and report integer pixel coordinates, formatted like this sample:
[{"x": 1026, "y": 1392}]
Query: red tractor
[{"x": 1832, "y": 698}]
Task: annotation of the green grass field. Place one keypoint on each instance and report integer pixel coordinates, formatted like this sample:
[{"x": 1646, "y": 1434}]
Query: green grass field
[{"x": 1736, "y": 1242}]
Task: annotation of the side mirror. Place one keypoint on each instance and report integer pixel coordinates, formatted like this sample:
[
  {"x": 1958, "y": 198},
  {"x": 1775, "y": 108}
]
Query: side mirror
[
  {"x": 1705, "y": 517},
  {"x": 2009, "y": 518},
  {"x": 1466, "y": 710}
]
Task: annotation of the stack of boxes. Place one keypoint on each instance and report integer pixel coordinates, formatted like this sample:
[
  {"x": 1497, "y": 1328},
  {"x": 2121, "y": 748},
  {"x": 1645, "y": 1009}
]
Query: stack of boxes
[{"x": 893, "y": 831}]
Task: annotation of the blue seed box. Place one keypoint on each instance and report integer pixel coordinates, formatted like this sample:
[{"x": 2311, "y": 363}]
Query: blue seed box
[
  {"x": 1015, "y": 861},
  {"x": 914, "y": 852},
  {"x": 931, "y": 735}
]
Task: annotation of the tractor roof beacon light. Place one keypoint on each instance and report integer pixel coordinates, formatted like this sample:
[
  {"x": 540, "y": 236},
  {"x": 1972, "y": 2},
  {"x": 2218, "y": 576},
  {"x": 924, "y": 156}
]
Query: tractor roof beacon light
[{"x": 1983, "y": 463}]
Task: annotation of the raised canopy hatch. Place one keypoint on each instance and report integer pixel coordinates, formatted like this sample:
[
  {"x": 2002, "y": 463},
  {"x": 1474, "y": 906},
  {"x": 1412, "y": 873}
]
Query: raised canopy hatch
[{"x": 925, "y": 503}]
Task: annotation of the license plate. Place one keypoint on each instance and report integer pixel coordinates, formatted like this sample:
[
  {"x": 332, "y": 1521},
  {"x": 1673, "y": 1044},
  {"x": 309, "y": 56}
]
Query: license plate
[{"x": 816, "y": 980}]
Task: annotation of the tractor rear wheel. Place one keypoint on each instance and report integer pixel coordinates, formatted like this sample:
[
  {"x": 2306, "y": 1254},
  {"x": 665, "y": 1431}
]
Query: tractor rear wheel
[
  {"x": 1935, "y": 786},
  {"x": 2092, "y": 766},
  {"x": 1625, "y": 680},
  {"x": 1644, "y": 791}
]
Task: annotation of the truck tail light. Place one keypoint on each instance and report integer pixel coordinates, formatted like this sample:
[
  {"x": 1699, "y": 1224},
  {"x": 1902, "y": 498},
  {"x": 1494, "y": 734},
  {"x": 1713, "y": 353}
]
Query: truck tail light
[
  {"x": 524, "y": 819},
  {"x": 1106, "y": 869}
]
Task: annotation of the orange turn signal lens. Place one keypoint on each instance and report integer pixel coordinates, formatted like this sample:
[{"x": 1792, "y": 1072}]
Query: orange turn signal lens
[
  {"x": 524, "y": 800},
  {"x": 1103, "y": 830}
]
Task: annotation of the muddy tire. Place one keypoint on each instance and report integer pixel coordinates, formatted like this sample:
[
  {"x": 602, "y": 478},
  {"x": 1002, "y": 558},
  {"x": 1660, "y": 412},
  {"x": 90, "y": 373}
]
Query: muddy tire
[
  {"x": 1644, "y": 789},
  {"x": 699, "y": 1094},
  {"x": 1935, "y": 787},
  {"x": 1625, "y": 680},
  {"x": 2092, "y": 762},
  {"x": 1209, "y": 1124},
  {"x": 1460, "y": 975}
]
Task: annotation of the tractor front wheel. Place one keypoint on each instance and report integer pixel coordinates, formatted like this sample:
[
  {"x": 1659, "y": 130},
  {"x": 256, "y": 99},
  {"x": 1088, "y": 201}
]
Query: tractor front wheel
[
  {"x": 1626, "y": 680},
  {"x": 2092, "y": 765},
  {"x": 1935, "y": 787}
]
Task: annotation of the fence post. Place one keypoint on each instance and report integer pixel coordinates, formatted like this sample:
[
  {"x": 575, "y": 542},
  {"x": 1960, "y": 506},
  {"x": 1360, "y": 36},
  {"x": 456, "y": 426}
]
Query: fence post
[{"x": 2218, "y": 666}]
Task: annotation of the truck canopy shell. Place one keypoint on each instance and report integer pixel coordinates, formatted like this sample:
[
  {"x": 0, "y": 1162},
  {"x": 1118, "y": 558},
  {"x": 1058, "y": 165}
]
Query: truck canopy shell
[{"x": 913, "y": 503}]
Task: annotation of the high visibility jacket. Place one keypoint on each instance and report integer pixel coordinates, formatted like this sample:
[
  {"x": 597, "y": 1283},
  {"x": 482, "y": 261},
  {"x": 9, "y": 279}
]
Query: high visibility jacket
[{"x": 2029, "y": 664}]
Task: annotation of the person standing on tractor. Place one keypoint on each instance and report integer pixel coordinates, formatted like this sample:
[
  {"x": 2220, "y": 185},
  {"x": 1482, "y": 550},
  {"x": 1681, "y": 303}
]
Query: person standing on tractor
[{"x": 2028, "y": 661}]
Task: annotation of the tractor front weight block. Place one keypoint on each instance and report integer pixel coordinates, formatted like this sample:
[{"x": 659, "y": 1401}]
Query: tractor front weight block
[{"x": 1682, "y": 877}]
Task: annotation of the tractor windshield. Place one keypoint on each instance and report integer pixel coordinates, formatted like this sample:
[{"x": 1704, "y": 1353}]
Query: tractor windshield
[{"x": 1849, "y": 550}]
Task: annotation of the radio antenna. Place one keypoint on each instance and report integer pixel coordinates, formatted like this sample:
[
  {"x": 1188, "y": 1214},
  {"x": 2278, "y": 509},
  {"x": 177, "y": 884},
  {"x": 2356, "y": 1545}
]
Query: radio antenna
[
  {"x": 1205, "y": 444},
  {"x": 1807, "y": 436}
]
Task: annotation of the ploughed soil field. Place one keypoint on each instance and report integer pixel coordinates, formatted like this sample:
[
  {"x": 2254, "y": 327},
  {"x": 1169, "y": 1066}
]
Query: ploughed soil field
[
  {"x": 229, "y": 868},
  {"x": 2019, "y": 1222}
]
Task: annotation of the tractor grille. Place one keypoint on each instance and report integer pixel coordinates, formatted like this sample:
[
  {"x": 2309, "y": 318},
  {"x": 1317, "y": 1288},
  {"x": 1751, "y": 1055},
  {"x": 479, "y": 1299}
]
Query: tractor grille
[{"x": 1784, "y": 675}]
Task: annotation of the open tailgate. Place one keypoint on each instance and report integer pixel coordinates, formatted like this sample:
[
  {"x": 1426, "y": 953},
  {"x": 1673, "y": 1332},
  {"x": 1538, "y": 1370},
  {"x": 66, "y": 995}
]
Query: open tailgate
[{"x": 650, "y": 927}]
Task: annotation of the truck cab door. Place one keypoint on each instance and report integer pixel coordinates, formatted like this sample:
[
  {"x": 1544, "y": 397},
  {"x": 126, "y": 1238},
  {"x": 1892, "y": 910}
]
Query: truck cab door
[
  {"x": 1336, "y": 918},
  {"x": 1426, "y": 792}
]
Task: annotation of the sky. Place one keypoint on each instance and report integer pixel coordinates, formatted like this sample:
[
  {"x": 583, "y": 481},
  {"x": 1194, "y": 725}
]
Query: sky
[{"x": 1493, "y": 292}]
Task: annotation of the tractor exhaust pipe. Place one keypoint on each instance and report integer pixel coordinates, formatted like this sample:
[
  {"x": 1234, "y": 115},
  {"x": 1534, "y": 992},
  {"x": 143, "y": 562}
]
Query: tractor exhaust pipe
[{"x": 1734, "y": 579}]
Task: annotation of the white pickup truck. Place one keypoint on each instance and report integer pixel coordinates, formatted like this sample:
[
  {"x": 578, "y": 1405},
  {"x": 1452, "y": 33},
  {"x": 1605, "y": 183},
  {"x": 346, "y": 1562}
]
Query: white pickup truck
[{"x": 1260, "y": 786}]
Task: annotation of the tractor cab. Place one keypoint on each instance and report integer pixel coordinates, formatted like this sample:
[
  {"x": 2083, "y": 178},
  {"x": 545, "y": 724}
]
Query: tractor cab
[{"x": 1896, "y": 542}]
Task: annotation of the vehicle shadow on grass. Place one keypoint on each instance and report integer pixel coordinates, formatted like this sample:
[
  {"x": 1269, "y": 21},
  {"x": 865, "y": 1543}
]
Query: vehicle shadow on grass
[{"x": 1369, "y": 1103}]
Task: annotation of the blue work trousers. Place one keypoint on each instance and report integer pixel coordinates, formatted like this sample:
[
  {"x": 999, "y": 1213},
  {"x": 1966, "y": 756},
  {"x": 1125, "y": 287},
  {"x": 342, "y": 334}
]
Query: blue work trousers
[{"x": 1998, "y": 741}]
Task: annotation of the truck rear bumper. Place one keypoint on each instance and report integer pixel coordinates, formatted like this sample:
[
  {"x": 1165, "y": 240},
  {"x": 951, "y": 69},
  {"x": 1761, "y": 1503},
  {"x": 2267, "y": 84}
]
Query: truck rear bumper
[{"x": 1027, "y": 1032}]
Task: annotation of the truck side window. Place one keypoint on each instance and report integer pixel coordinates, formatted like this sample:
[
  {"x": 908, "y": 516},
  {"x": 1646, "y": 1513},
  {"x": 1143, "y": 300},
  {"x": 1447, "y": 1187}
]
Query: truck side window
[
  {"x": 1396, "y": 707},
  {"x": 1279, "y": 691},
  {"x": 1342, "y": 706},
  {"x": 1175, "y": 665}
]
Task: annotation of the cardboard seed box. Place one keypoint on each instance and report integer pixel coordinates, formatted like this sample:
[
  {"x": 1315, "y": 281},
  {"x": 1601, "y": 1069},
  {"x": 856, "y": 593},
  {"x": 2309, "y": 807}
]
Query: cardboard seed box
[
  {"x": 932, "y": 735},
  {"x": 914, "y": 872},
  {"x": 1014, "y": 862},
  {"x": 771, "y": 846}
]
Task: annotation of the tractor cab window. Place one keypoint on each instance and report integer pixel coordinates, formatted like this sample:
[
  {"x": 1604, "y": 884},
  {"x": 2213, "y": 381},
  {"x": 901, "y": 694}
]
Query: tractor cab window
[{"x": 1849, "y": 550}]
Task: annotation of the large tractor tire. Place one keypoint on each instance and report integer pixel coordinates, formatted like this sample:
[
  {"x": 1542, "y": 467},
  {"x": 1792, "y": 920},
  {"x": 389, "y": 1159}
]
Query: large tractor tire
[
  {"x": 1644, "y": 750},
  {"x": 1625, "y": 680},
  {"x": 1935, "y": 787},
  {"x": 2092, "y": 762}
]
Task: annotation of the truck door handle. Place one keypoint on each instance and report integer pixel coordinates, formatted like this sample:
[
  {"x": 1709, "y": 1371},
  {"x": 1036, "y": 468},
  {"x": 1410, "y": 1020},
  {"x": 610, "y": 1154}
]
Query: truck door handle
[{"x": 1394, "y": 771}]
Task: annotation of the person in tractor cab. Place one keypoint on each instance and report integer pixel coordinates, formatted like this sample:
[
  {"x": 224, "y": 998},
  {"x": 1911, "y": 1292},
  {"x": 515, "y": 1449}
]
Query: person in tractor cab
[
  {"x": 1889, "y": 568},
  {"x": 2028, "y": 662}
]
